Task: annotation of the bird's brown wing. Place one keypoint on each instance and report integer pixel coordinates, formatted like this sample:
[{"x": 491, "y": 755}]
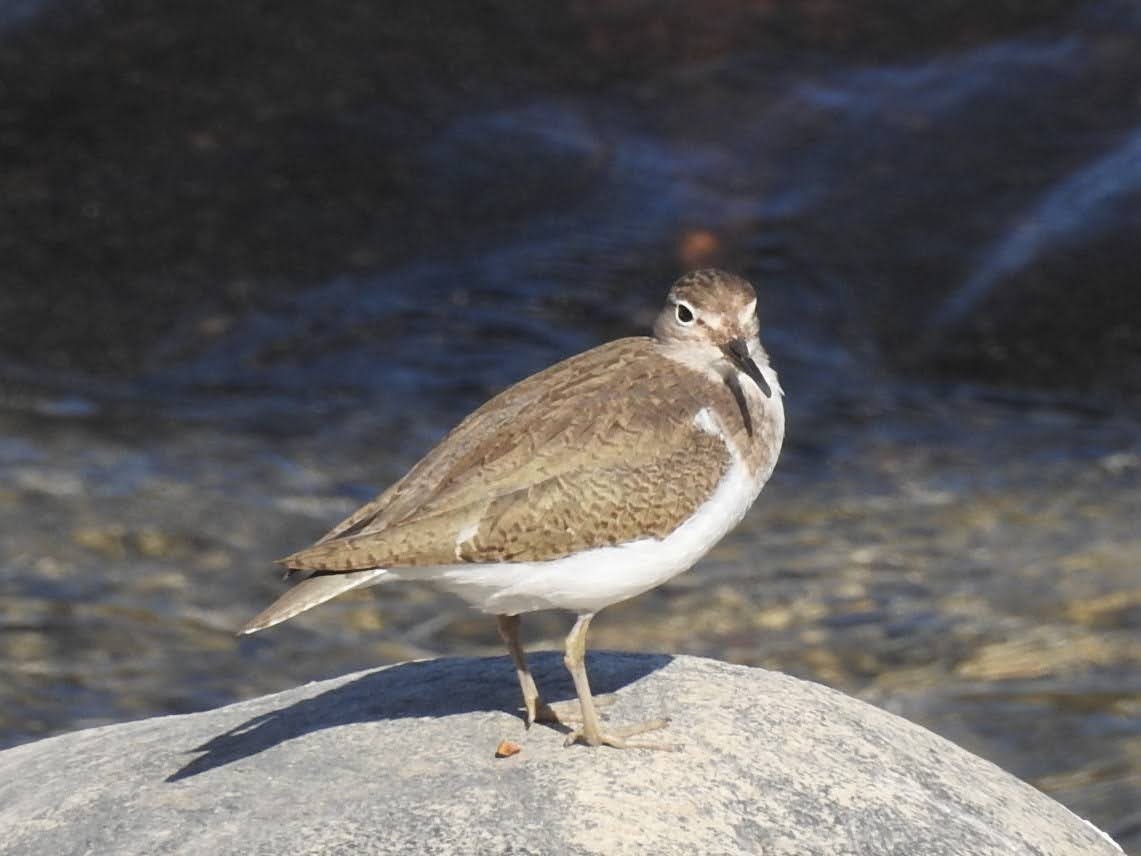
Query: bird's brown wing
[
  {"x": 565, "y": 460},
  {"x": 648, "y": 494}
]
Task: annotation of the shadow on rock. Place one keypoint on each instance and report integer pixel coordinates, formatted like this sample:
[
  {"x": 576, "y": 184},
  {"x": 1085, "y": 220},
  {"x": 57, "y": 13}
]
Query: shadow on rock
[{"x": 432, "y": 688}]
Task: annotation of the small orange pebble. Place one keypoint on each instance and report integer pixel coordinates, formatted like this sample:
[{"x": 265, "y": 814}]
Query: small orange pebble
[{"x": 506, "y": 749}]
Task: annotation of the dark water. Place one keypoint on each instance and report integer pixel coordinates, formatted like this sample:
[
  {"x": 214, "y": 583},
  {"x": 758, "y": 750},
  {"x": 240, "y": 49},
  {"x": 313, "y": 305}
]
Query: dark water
[{"x": 252, "y": 265}]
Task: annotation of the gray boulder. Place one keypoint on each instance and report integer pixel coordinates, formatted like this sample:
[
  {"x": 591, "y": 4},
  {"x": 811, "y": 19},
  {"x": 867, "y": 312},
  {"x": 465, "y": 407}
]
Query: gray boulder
[{"x": 402, "y": 760}]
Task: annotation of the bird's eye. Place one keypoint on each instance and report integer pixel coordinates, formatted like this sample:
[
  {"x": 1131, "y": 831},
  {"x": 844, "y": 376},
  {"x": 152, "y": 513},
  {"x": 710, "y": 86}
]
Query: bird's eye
[{"x": 684, "y": 314}]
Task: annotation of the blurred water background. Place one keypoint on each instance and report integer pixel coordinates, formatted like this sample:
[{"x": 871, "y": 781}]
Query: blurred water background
[{"x": 256, "y": 258}]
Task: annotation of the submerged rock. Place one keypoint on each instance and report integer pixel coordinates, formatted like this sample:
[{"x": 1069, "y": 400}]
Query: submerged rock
[{"x": 403, "y": 760}]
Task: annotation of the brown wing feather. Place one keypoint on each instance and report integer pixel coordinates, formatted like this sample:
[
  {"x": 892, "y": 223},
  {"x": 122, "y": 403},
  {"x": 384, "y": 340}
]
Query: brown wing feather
[
  {"x": 646, "y": 495},
  {"x": 517, "y": 472},
  {"x": 481, "y": 437}
]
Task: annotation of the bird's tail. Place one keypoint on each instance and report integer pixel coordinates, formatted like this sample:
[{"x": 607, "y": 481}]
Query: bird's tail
[{"x": 308, "y": 594}]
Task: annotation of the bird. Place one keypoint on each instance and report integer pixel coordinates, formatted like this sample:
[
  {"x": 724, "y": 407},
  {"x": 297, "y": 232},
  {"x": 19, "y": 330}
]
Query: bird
[{"x": 583, "y": 485}]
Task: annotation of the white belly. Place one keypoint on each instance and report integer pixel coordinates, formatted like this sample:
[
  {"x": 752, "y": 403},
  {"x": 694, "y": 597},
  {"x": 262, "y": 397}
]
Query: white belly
[{"x": 589, "y": 581}]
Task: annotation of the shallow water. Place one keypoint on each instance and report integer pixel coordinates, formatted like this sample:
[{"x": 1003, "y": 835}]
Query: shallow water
[{"x": 276, "y": 308}]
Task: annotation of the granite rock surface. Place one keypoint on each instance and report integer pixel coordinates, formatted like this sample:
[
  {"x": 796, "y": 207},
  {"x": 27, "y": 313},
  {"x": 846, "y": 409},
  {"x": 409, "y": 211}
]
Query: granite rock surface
[{"x": 402, "y": 760}]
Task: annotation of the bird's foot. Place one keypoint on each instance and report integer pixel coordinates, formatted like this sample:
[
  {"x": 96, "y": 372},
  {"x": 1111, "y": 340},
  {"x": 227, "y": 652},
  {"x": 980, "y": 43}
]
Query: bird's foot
[{"x": 618, "y": 737}]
